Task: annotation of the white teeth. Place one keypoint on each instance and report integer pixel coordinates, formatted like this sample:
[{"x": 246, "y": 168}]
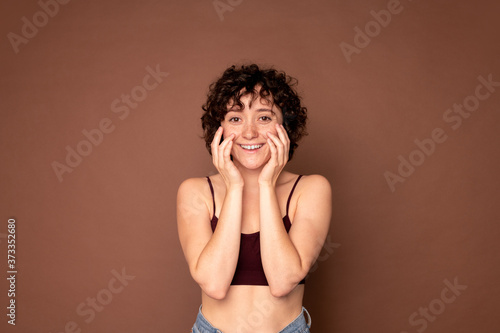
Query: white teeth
[{"x": 251, "y": 147}]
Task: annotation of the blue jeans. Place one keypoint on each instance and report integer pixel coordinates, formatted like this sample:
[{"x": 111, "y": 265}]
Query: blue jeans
[{"x": 298, "y": 325}]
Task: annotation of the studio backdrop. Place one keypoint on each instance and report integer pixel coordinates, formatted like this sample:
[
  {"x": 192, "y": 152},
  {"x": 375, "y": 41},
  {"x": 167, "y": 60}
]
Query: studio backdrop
[{"x": 100, "y": 123}]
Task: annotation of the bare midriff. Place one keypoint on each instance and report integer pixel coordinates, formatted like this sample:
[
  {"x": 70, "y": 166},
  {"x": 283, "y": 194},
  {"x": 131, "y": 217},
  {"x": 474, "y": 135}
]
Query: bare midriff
[{"x": 252, "y": 309}]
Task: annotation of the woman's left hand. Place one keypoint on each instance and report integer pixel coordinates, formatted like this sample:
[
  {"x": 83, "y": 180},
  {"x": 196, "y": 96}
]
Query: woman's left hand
[{"x": 280, "y": 147}]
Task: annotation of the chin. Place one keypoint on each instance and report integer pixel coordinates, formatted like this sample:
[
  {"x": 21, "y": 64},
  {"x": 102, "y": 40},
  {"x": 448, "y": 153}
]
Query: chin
[{"x": 252, "y": 165}]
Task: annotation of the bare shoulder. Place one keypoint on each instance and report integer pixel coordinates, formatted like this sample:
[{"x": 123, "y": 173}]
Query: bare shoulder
[
  {"x": 314, "y": 193},
  {"x": 191, "y": 185},
  {"x": 315, "y": 184},
  {"x": 312, "y": 213},
  {"x": 313, "y": 196},
  {"x": 193, "y": 196}
]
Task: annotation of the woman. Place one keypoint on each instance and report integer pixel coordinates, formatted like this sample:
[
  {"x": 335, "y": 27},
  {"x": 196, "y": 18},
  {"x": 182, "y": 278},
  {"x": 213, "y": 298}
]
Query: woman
[{"x": 259, "y": 228}]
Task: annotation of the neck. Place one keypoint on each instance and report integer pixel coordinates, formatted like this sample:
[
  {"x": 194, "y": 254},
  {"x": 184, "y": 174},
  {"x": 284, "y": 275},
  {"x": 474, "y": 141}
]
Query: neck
[{"x": 250, "y": 176}]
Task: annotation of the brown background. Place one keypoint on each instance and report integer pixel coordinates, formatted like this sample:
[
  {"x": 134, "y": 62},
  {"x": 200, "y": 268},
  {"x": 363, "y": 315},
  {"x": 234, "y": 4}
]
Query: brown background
[{"x": 392, "y": 250}]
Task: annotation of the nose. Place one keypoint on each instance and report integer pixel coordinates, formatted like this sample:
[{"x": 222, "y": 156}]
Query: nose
[{"x": 250, "y": 131}]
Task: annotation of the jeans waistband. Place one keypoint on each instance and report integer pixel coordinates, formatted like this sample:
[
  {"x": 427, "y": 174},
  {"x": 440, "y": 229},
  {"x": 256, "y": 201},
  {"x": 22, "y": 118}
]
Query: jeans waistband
[{"x": 299, "y": 324}]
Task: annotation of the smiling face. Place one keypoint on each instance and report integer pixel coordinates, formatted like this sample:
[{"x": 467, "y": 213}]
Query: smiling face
[{"x": 250, "y": 125}]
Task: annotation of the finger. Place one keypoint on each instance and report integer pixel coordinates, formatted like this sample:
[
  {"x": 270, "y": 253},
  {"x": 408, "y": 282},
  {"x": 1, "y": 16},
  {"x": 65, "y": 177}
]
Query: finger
[
  {"x": 224, "y": 147},
  {"x": 279, "y": 147},
  {"x": 227, "y": 152},
  {"x": 286, "y": 140},
  {"x": 220, "y": 153},
  {"x": 215, "y": 143},
  {"x": 283, "y": 135},
  {"x": 226, "y": 156},
  {"x": 217, "y": 135},
  {"x": 226, "y": 140},
  {"x": 274, "y": 150}
]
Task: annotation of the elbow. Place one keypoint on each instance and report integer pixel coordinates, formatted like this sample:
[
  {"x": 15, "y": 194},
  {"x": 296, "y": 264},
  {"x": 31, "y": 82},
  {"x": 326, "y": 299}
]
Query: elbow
[
  {"x": 212, "y": 287},
  {"x": 283, "y": 287},
  {"x": 279, "y": 290},
  {"x": 215, "y": 291}
]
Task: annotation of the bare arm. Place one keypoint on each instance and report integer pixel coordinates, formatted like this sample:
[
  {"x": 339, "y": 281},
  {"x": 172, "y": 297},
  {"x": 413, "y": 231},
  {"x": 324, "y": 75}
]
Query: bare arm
[
  {"x": 288, "y": 257},
  {"x": 212, "y": 258}
]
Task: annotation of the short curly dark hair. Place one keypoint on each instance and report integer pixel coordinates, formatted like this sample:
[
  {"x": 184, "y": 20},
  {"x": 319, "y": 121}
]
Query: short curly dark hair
[{"x": 276, "y": 86}]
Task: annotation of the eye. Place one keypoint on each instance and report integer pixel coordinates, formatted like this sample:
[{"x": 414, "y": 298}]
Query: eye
[
  {"x": 233, "y": 119},
  {"x": 265, "y": 118}
]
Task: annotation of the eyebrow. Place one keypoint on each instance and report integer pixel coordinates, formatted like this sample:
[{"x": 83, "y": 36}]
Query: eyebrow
[{"x": 258, "y": 110}]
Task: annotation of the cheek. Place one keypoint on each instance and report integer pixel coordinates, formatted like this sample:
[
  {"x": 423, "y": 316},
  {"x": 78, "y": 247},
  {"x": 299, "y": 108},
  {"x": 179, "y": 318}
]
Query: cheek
[
  {"x": 227, "y": 131},
  {"x": 269, "y": 128}
]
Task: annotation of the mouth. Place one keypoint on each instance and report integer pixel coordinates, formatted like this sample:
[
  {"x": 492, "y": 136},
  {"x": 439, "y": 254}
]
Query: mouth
[{"x": 251, "y": 147}]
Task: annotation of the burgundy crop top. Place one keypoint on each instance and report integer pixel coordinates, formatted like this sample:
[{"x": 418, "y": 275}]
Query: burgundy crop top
[{"x": 249, "y": 269}]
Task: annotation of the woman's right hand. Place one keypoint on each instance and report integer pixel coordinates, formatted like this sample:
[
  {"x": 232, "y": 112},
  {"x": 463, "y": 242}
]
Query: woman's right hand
[{"x": 221, "y": 157}]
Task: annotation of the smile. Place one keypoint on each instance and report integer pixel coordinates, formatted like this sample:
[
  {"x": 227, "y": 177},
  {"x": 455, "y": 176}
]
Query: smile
[{"x": 251, "y": 147}]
